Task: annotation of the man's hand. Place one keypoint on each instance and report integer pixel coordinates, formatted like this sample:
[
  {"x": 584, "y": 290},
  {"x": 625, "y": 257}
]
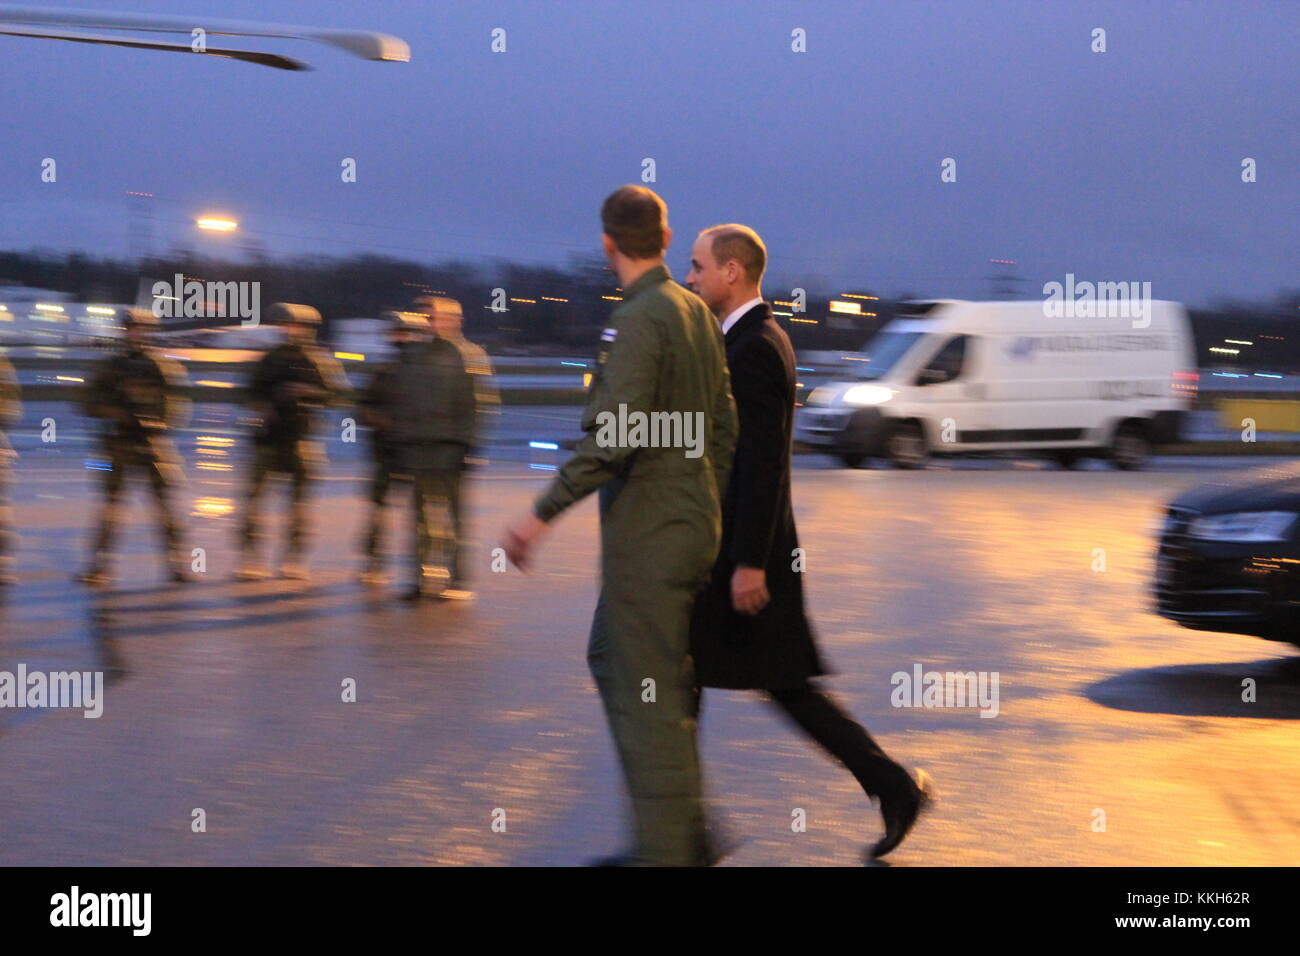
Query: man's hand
[
  {"x": 749, "y": 589},
  {"x": 519, "y": 537}
]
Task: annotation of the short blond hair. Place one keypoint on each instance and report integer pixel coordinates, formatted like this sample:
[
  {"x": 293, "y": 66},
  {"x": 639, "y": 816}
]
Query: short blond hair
[
  {"x": 440, "y": 305},
  {"x": 733, "y": 241}
]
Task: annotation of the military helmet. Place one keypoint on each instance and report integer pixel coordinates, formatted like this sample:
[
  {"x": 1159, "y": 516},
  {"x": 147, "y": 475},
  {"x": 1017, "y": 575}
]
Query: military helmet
[
  {"x": 138, "y": 318},
  {"x": 439, "y": 304},
  {"x": 407, "y": 322},
  {"x": 290, "y": 313}
]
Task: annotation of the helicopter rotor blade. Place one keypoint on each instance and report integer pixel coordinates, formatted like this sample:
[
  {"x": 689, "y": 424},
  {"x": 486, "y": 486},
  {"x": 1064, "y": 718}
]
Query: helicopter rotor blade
[
  {"x": 362, "y": 43},
  {"x": 273, "y": 60}
]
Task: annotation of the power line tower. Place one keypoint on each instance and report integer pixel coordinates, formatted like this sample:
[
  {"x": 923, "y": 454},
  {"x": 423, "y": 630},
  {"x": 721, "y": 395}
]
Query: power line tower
[
  {"x": 1003, "y": 281},
  {"x": 139, "y": 225}
]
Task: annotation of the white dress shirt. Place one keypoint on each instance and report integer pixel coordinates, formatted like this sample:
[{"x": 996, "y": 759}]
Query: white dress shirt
[{"x": 734, "y": 317}]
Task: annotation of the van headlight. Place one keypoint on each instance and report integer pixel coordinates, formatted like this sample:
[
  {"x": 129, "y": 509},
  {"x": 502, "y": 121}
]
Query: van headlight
[
  {"x": 867, "y": 395},
  {"x": 1243, "y": 526}
]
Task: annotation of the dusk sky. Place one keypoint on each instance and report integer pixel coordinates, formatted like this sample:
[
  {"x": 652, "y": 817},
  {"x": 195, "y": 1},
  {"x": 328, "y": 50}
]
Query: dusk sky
[{"x": 1115, "y": 166}]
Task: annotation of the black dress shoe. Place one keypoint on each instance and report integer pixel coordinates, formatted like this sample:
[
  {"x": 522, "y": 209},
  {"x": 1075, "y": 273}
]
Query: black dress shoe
[{"x": 901, "y": 815}]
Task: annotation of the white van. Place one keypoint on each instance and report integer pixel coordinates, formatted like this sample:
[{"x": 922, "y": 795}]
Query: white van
[{"x": 960, "y": 377}]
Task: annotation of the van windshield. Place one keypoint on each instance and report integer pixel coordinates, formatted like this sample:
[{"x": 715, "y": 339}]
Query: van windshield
[{"x": 881, "y": 353}]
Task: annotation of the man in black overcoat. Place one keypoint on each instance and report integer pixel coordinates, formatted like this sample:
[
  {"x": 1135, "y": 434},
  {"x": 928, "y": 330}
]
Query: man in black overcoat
[{"x": 750, "y": 629}]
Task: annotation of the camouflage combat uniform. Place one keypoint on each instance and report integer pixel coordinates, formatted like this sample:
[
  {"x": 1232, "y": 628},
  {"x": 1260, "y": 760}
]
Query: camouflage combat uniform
[
  {"x": 291, "y": 384},
  {"x": 137, "y": 394}
]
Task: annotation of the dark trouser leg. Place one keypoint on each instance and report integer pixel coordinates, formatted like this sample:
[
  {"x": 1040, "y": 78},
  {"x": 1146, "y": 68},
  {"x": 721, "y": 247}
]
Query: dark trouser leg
[
  {"x": 456, "y": 560},
  {"x": 640, "y": 632},
  {"x": 436, "y": 515},
  {"x": 845, "y": 739},
  {"x": 380, "y": 480},
  {"x": 164, "y": 475},
  {"x": 8, "y": 540},
  {"x": 251, "y": 535},
  {"x": 424, "y": 499},
  {"x": 110, "y": 514},
  {"x": 299, "y": 521}
]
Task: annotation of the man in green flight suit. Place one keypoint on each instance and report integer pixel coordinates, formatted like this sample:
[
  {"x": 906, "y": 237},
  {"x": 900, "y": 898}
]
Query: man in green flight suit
[{"x": 660, "y": 434}]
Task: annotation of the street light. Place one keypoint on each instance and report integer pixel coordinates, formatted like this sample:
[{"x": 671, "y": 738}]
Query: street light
[{"x": 216, "y": 224}]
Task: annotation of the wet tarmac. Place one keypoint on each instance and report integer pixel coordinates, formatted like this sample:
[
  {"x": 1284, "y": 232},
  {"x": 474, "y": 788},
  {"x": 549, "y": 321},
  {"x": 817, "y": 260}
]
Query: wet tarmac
[{"x": 228, "y": 698}]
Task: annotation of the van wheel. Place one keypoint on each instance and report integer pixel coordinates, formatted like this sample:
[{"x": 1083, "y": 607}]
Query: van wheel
[
  {"x": 853, "y": 459},
  {"x": 1068, "y": 459},
  {"x": 1130, "y": 448},
  {"x": 906, "y": 447}
]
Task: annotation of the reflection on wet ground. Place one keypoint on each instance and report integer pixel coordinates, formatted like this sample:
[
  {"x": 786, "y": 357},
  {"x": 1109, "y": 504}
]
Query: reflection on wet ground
[{"x": 229, "y": 697}]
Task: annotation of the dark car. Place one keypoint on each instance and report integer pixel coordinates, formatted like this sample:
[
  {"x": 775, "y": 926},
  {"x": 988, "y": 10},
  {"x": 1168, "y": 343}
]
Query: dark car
[{"x": 1229, "y": 556}]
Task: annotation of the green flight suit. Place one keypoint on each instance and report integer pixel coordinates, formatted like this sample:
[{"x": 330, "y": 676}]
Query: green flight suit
[{"x": 660, "y": 520}]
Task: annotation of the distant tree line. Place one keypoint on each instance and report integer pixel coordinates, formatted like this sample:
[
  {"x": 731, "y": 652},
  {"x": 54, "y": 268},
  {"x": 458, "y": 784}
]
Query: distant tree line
[{"x": 512, "y": 306}]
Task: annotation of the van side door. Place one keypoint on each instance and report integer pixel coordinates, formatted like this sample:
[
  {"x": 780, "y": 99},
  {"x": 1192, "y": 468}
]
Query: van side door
[{"x": 948, "y": 398}]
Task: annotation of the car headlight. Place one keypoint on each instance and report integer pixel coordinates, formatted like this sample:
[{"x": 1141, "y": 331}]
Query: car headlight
[
  {"x": 1243, "y": 526},
  {"x": 867, "y": 395},
  {"x": 822, "y": 395}
]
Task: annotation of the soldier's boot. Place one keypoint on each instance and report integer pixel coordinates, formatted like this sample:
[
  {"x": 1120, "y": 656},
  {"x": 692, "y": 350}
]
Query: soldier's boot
[
  {"x": 457, "y": 588},
  {"x": 429, "y": 581},
  {"x": 433, "y": 578},
  {"x": 456, "y": 592},
  {"x": 178, "y": 569},
  {"x": 292, "y": 567},
  {"x": 96, "y": 575},
  {"x": 294, "y": 571},
  {"x": 251, "y": 567},
  {"x": 372, "y": 572}
]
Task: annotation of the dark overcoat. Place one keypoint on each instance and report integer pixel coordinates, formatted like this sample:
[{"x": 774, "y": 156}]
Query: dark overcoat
[{"x": 774, "y": 648}]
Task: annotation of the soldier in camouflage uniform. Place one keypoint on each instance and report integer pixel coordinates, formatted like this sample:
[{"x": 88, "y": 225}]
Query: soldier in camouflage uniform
[
  {"x": 375, "y": 409},
  {"x": 290, "y": 385},
  {"x": 429, "y": 410},
  {"x": 447, "y": 320},
  {"x": 138, "y": 395},
  {"x": 10, "y": 411},
  {"x": 661, "y": 525}
]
